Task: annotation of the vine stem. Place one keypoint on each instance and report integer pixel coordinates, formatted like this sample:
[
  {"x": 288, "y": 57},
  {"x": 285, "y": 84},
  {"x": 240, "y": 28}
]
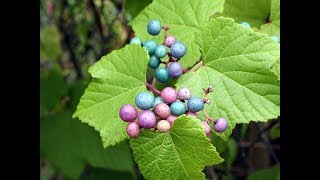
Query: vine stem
[
  {"x": 195, "y": 67},
  {"x": 208, "y": 118},
  {"x": 155, "y": 90}
]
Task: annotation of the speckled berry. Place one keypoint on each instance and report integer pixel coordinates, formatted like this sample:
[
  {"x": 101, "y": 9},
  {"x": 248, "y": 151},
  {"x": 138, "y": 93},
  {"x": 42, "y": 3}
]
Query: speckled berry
[
  {"x": 245, "y": 24},
  {"x": 163, "y": 126},
  {"x": 157, "y": 100},
  {"x": 189, "y": 113},
  {"x": 175, "y": 69},
  {"x": 178, "y": 49},
  {"x": 151, "y": 46},
  {"x": 128, "y": 113},
  {"x": 169, "y": 41},
  {"x": 133, "y": 129},
  {"x": 220, "y": 125},
  {"x": 144, "y": 100},
  {"x": 162, "y": 75},
  {"x": 161, "y": 51},
  {"x": 177, "y": 108},
  {"x": 171, "y": 119},
  {"x": 206, "y": 127},
  {"x": 195, "y": 104},
  {"x": 154, "y": 62},
  {"x": 162, "y": 110},
  {"x": 154, "y": 27},
  {"x": 184, "y": 93},
  {"x": 136, "y": 40},
  {"x": 169, "y": 95},
  {"x": 147, "y": 119}
]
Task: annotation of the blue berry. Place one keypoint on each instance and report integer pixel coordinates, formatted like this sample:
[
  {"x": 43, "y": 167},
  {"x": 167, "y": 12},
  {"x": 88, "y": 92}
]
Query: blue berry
[
  {"x": 161, "y": 51},
  {"x": 136, "y": 40},
  {"x": 177, "y": 108},
  {"x": 195, "y": 104},
  {"x": 275, "y": 38},
  {"x": 154, "y": 27},
  {"x": 151, "y": 46},
  {"x": 162, "y": 74},
  {"x": 154, "y": 62},
  {"x": 157, "y": 100},
  {"x": 144, "y": 100},
  {"x": 175, "y": 69},
  {"x": 245, "y": 24},
  {"x": 178, "y": 49}
]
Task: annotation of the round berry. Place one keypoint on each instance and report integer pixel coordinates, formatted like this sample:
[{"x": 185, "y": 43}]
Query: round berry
[
  {"x": 154, "y": 62},
  {"x": 175, "y": 69},
  {"x": 161, "y": 51},
  {"x": 169, "y": 41},
  {"x": 144, "y": 100},
  {"x": 245, "y": 24},
  {"x": 154, "y": 27},
  {"x": 206, "y": 127},
  {"x": 147, "y": 119},
  {"x": 163, "y": 126},
  {"x": 151, "y": 46},
  {"x": 133, "y": 129},
  {"x": 136, "y": 40},
  {"x": 177, "y": 108},
  {"x": 189, "y": 113},
  {"x": 195, "y": 104},
  {"x": 221, "y": 125},
  {"x": 169, "y": 95},
  {"x": 275, "y": 38},
  {"x": 157, "y": 100},
  {"x": 178, "y": 50},
  {"x": 171, "y": 119},
  {"x": 128, "y": 113},
  {"x": 162, "y": 110},
  {"x": 184, "y": 93},
  {"x": 162, "y": 75}
]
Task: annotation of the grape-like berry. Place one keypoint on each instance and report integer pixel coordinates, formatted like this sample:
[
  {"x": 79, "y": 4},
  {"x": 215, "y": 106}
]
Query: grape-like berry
[
  {"x": 169, "y": 95},
  {"x": 178, "y": 49},
  {"x": 136, "y": 40},
  {"x": 157, "y": 100},
  {"x": 221, "y": 125},
  {"x": 144, "y": 100},
  {"x": 128, "y": 113},
  {"x": 162, "y": 75},
  {"x": 147, "y": 119},
  {"x": 245, "y": 24},
  {"x": 151, "y": 46},
  {"x": 161, "y": 51},
  {"x": 195, "y": 104},
  {"x": 175, "y": 69},
  {"x": 154, "y": 62},
  {"x": 163, "y": 126},
  {"x": 162, "y": 110},
  {"x": 133, "y": 129},
  {"x": 177, "y": 108},
  {"x": 184, "y": 93},
  {"x": 206, "y": 127},
  {"x": 169, "y": 41},
  {"x": 189, "y": 113},
  {"x": 154, "y": 27},
  {"x": 171, "y": 119}
]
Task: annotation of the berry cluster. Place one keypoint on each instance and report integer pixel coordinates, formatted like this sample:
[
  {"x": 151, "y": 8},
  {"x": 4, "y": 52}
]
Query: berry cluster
[
  {"x": 156, "y": 52},
  {"x": 274, "y": 37}
]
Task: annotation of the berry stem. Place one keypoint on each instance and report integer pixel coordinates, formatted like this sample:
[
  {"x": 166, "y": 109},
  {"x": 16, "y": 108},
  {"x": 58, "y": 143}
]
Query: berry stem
[
  {"x": 152, "y": 88},
  {"x": 195, "y": 67},
  {"x": 208, "y": 118}
]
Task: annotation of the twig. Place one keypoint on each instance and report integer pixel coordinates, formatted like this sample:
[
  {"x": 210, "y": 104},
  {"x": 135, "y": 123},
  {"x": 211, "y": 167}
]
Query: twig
[
  {"x": 155, "y": 90},
  {"x": 195, "y": 67}
]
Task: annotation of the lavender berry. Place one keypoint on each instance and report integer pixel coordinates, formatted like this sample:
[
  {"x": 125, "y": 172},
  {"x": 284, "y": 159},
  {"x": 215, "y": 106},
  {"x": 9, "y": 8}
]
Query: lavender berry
[
  {"x": 175, "y": 69},
  {"x": 206, "y": 127},
  {"x": 169, "y": 95},
  {"x": 184, "y": 93},
  {"x": 133, "y": 129},
  {"x": 162, "y": 110},
  {"x": 163, "y": 126},
  {"x": 147, "y": 119},
  {"x": 220, "y": 125},
  {"x": 178, "y": 50},
  {"x": 171, "y": 119},
  {"x": 169, "y": 41},
  {"x": 128, "y": 113}
]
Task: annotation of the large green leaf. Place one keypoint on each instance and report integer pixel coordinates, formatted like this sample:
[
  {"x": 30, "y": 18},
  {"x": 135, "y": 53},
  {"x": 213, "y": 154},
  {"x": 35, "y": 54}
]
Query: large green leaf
[
  {"x": 70, "y": 145},
  {"x": 273, "y": 28},
  {"x": 236, "y": 64},
  {"x": 134, "y": 7},
  {"x": 255, "y": 12},
  {"x": 117, "y": 78},
  {"x": 181, "y": 153},
  {"x": 184, "y": 17},
  {"x": 272, "y": 173}
]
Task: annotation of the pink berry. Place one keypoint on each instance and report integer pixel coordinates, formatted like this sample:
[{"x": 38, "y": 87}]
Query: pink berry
[
  {"x": 206, "y": 127},
  {"x": 133, "y": 129},
  {"x": 171, "y": 119},
  {"x": 189, "y": 113},
  {"x": 163, "y": 126},
  {"x": 147, "y": 119},
  {"x": 221, "y": 125},
  {"x": 184, "y": 93},
  {"x": 169, "y": 95},
  {"x": 162, "y": 110},
  {"x": 128, "y": 113},
  {"x": 169, "y": 41}
]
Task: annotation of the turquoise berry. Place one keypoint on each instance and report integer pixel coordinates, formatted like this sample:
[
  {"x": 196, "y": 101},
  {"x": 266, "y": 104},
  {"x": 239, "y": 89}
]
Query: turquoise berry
[
  {"x": 154, "y": 27},
  {"x": 136, "y": 40},
  {"x": 154, "y": 62},
  {"x": 162, "y": 74},
  {"x": 161, "y": 51},
  {"x": 177, "y": 108},
  {"x": 144, "y": 100},
  {"x": 195, "y": 104},
  {"x": 157, "y": 100},
  {"x": 178, "y": 49},
  {"x": 151, "y": 46},
  {"x": 245, "y": 24},
  {"x": 275, "y": 38}
]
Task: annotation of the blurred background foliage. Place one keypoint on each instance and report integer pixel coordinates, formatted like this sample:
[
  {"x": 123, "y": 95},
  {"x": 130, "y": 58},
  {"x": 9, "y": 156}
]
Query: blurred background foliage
[{"x": 74, "y": 34}]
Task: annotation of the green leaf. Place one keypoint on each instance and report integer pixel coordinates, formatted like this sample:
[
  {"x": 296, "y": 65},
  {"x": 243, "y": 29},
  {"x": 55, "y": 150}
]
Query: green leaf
[
  {"x": 76, "y": 90},
  {"x": 69, "y": 145},
  {"x": 184, "y": 18},
  {"x": 275, "y": 132},
  {"x": 117, "y": 78},
  {"x": 275, "y": 68},
  {"x": 236, "y": 62},
  {"x": 266, "y": 174},
  {"x": 50, "y": 43},
  {"x": 273, "y": 28},
  {"x": 181, "y": 153},
  {"x": 134, "y": 7},
  {"x": 255, "y": 12},
  {"x": 99, "y": 174}
]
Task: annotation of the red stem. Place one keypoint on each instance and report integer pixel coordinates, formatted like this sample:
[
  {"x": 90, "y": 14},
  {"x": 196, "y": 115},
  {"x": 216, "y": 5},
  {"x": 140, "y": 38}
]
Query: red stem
[{"x": 152, "y": 88}]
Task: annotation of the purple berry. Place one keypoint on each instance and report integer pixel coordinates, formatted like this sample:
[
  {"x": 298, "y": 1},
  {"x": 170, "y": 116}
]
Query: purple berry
[
  {"x": 175, "y": 69},
  {"x": 133, "y": 129},
  {"x": 169, "y": 95},
  {"x": 162, "y": 110},
  {"x": 221, "y": 125},
  {"x": 147, "y": 119},
  {"x": 163, "y": 126},
  {"x": 128, "y": 113},
  {"x": 170, "y": 40},
  {"x": 206, "y": 127},
  {"x": 171, "y": 119},
  {"x": 184, "y": 93},
  {"x": 189, "y": 113}
]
